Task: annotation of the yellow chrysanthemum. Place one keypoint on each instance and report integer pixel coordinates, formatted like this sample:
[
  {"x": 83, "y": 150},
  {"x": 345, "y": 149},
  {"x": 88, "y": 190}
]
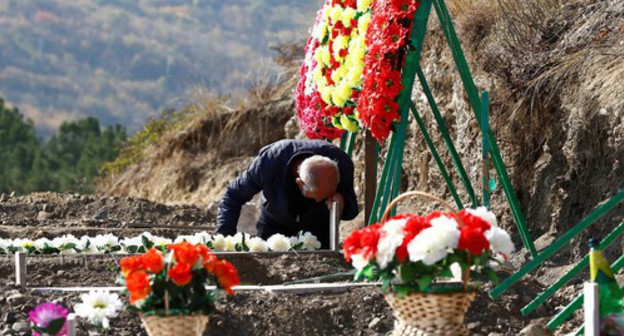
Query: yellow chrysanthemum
[
  {"x": 335, "y": 13},
  {"x": 325, "y": 92},
  {"x": 323, "y": 56},
  {"x": 364, "y": 5},
  {"x": 347, "y": 15},
  {"x": 363, "y": 23},
  {"x": 317, "y": 74}
]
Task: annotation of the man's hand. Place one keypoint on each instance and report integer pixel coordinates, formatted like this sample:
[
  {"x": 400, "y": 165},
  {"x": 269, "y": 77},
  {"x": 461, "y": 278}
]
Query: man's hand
[{"x": 339, "y": 199}]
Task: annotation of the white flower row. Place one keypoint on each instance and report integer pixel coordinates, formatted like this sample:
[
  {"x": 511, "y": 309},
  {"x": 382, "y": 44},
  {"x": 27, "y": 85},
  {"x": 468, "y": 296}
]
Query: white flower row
[{"x": 109, "y": 243}]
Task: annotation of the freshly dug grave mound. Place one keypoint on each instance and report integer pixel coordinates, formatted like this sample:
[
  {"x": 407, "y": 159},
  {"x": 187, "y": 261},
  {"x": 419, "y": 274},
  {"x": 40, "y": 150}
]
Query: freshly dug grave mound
[
  {"x": 102, "y": 270},
  {"x": 54, "y": 210}
]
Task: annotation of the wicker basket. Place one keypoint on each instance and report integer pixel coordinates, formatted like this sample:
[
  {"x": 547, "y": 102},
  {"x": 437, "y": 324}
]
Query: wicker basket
[
  {"x": 424, "y": 314},
  {"x": 175, "y": 325},
  {"x": 430, "y": 314}
]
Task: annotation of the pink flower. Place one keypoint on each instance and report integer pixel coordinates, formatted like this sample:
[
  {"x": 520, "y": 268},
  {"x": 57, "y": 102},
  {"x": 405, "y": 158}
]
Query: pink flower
[{"x": 47, "y": 317}]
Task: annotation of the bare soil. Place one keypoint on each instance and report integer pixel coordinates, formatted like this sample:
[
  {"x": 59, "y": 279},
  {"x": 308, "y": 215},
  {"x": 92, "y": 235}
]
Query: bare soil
[{"x": 359, "y": 311}]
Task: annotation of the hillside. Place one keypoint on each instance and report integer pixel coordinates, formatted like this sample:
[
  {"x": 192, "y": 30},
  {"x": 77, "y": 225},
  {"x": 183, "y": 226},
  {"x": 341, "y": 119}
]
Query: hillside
[
  {"x": 125, "y": 60},
  {"x": 556, "y": 114}
]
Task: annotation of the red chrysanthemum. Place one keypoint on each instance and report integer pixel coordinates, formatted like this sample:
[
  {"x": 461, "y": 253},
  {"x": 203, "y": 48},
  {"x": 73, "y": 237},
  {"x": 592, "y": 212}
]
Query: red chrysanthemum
[
  {"x": 473, "y": 240},
  {"x": 362, "y": 241},
  {"x": 474, "y": 221},
  {"x": 413, "y": 226}
]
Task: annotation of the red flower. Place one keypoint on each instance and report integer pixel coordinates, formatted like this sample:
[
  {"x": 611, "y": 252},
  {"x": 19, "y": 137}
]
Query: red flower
[
  {"x": 413, "y": 226},
  {"x": 138, "y": 285},
  {"x": 473, "y": 240},
  {"x": 226, "y": 274},
  {"x": 131, "y": 264},
  {"x": 153, "y": 261},
  {"x": 474, "y": 221},
  {"x": 363, "y": 241},
  {"x": 180, "y": 274},
  {"x": 185, "y": 252}
]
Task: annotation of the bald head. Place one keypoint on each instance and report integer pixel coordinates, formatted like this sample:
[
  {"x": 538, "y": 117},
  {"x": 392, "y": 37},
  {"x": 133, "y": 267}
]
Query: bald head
[{"x": 318, "y": 177}]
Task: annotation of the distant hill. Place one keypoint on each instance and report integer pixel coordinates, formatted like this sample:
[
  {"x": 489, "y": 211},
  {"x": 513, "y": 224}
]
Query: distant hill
[{"x": 125, "y": 60}]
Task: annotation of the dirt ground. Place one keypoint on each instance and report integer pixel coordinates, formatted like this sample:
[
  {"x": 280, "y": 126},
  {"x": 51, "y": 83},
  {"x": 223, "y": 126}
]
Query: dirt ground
[{"x": 359, "y": 311}]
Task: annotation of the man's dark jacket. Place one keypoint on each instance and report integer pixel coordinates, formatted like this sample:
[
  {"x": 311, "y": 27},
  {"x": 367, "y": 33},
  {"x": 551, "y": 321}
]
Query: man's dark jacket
[{"x": 283, "y": 208}]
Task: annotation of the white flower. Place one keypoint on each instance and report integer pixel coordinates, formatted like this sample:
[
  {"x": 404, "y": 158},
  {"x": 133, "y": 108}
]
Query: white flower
[
  {"x": 485, "y": 214},
  {"x": 279, "y": 243},
  {"x": 218, "y": 242},
  {"x": 448, "y": 229},
  {"x": 41, "y": 243},
  {"x": 499, "y": 241},
  {"x": 358, "y": 261},
  {"x": 310, "y": 242},
  {"x": 105, "y": 243},
  {"x": 98, "y": 306},
  {"x": 132, "y": 242},
  {"x": 5, "y": 244},
  {"x": 160, "y": 241},
  {"x": 391, "y": 237},
  {"x": 189, "y": 239},
  {"x": 86, "y": 246},
  {"x": 257, "y": 244},
  {"x": 294, "y": 240},
  {"x": 203, "y": 237},
  {"x": 230, "y": 243},
  {"x": 65, "y": 243},
  {"x": 433, "y": 244}
]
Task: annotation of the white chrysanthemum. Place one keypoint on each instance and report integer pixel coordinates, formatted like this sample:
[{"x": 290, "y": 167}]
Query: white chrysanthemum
[
  {"x": 66, "y": 243},
  {"x": 358, "y": 261},
  {"x": 159, "y": 241},
  {"x": 230, "y": 243},
  {"x": 500, "y": 241},
  {"x": 242, "y": 238},
  {"x": 203, "y": 237},
  {"x": 257, "y": 244},
  {"x": 41, "y": 243},
  {"x": 433, "y": 244},
  {"x": 86, "y": 246},
  {"x": 182, "y": 238},
  {"x": 485, "y": 214},
  {"x": 132, "y": 242},
  {"x": 279, "y": 243},
  {"x": 310, "y": 242},
  {"x": 294, "y": 240},
  {"x": 5, "y": 244},
  {"x": 98, "y": 306},
  {"x": 218, "y": 242},
  {"x": 450, "y": 228},
  {"x": 391, "y": 238},
  {"x": 106, "y": 242}
]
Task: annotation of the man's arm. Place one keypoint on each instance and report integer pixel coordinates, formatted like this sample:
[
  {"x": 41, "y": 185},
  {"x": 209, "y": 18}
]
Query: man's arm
[{"x": 239, "y": 192}]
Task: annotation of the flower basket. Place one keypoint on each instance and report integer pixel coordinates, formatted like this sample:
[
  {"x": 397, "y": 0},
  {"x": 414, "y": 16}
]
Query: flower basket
[
  {"x": 419, "y": 260},
  {"x": 177, "y": 325},
  {"x": 170, "y": 293},
  {"x": 430, "y": 313}
]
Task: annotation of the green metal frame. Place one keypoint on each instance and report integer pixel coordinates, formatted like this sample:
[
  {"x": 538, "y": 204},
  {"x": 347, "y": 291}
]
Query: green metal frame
[
  {"x": 558, "y": 244},
  {"x": 389, "y": 182}
]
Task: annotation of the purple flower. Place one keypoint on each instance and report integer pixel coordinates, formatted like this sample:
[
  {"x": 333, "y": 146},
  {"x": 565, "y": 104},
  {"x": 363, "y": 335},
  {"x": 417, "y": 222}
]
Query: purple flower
[{"x": 47, "y": 318}]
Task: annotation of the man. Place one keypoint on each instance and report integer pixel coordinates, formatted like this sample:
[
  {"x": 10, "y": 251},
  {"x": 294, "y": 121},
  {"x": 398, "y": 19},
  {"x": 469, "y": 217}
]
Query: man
[{"x": 299, "y": 179}]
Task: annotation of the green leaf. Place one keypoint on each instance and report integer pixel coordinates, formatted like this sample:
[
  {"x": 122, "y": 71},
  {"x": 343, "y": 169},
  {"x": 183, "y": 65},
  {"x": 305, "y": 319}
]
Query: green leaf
[
  {"x": 386, "y": 283},
  {"x": 297, "y": 246},
  {"x": 425, "y": 281},
  {"x": 55, "y": 326},
  {"x": 491, "y": 274},
  {"x": 446, "y": 273},
  {"x": 146, "y": 242}
]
